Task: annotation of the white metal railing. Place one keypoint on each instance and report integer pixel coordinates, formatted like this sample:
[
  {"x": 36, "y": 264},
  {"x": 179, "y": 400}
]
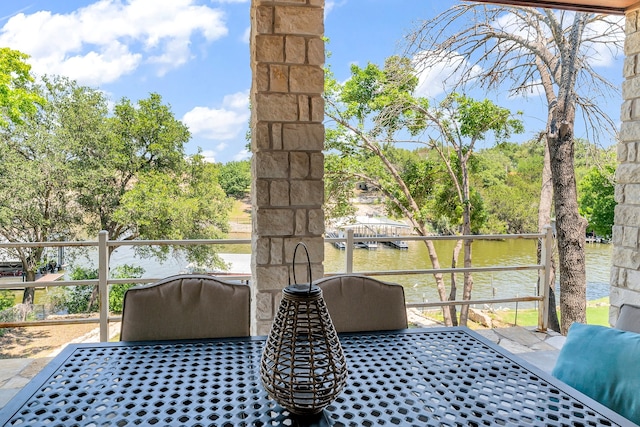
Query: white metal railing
[
  {"x": 103, "y": 281},
  {"x": 544, "y": 273}
]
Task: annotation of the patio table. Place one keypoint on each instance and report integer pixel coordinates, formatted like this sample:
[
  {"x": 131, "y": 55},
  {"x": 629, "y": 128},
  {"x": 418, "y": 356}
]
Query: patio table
[{"x": 413, "y": 377}]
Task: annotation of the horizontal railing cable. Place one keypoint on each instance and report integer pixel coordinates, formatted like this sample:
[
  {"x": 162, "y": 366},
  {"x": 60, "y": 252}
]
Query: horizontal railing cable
[{"x": 104, "y": 318}]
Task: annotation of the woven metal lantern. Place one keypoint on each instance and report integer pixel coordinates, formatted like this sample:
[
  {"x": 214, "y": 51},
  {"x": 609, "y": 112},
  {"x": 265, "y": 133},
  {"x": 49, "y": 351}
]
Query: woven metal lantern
[{"x": 303, "y": 367}]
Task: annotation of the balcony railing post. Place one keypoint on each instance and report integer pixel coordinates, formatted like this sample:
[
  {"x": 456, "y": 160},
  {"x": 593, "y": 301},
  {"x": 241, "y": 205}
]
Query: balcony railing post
[
  {"x": 349, "y": 252},
  {"x": 103, "y": 289},
  {"x": 545, "y": 283}
]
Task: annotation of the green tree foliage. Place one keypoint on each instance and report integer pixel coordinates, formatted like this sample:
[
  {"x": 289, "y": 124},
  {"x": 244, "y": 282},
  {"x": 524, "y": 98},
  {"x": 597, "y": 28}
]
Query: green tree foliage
[
  {"x": 7, "y": 299},
  {"x": 376, "y": 109},
  {"x": 509, "y": 179},
  {"x": 17, "y": 96},
  {"x": 78, "y": 299},
  {"x": 235, "y": 178},
  {"x": 140, "y": 140},
  {"x": 185, "y": 205},
  {"x": 116, "y": 292},
  {"x": 597, "y": 199},
  {"x": 36, "y": 178},
  {"x": 135, "y": 182},
  {"x": 72, "y": 169},
  {"x": 339, "y": 190}
]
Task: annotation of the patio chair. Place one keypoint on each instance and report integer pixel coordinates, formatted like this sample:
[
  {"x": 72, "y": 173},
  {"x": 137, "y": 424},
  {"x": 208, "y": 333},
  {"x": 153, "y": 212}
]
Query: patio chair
[
  {"x": 359, "y": 303},
  {"x": 629, "y": 318},
  {"x": 186, "y": 306}
]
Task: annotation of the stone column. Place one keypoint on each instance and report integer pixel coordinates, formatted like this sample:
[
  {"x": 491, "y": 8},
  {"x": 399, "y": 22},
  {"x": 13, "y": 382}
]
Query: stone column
[
  {"x": 625, "y": 261},
  {"x": 287, "y": 138}
]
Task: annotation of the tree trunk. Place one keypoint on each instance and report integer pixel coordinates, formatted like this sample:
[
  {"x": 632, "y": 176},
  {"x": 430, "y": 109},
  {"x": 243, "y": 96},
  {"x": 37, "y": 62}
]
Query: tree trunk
[
  {"x": 466, "y": 230},
  {"x": 93, "y": 299},
  {"x": 29, "y": 266},
  {"x": 29, "y": 294},
  {"x": 544, "y": 219},
  {"x": 454, "y": 286},
  {"x": 571, "y": 226},
  {"x": 442, "y": 291},
  {"x": 554, "y": 321},
  {"x": 468, "y": 284}
]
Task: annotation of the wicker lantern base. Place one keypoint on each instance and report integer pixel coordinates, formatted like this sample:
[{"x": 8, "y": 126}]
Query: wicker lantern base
[{"x": 303, "y": 367}]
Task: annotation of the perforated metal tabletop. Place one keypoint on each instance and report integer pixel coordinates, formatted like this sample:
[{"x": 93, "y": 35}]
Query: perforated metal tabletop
[{"x": 417, "y": 377}]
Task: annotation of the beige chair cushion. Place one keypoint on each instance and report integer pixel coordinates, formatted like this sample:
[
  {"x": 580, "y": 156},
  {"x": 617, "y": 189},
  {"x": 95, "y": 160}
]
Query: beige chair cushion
[
  {"x": 358, "y": 303},
  {"x": 185, "y": 306},
  {"x": 629, "y": 318}
]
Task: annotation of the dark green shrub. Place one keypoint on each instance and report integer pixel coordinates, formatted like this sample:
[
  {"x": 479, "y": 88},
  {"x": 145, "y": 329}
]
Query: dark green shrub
[
  {"x": 116, "y": 292},
  {"x": 76, "y": 298},
  {"x": 7, "y": 313},
  {"x": 7, "y": 299}
]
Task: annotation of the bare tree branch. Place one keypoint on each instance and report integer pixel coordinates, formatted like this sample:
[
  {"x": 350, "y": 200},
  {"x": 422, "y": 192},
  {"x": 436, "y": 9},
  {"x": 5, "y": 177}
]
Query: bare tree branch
[{"x": 524, "y": 49}]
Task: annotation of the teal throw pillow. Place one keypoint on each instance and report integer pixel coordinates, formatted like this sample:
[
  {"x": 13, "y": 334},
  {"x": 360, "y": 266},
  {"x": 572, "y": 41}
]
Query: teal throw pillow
[{"x": 604, "y": 364}]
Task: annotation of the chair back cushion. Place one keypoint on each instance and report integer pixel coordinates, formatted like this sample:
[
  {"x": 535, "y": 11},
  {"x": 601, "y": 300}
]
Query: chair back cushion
[
  {"x": 602, "y": 363},
  {"x": 359, "y": 303},
  {"x": 629, "y": 318},
  {"x": 185, "y": 306}
]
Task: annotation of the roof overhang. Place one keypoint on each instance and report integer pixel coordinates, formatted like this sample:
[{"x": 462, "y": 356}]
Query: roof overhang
[{"x": 618, "y": 7}]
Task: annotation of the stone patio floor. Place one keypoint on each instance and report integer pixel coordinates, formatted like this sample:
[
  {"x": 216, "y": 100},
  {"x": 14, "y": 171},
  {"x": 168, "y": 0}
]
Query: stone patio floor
[{"x": 539, "y": 349}]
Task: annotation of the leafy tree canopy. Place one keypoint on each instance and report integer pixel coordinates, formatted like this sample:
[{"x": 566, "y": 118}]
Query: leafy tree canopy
[
  {"x": 235, "y": 178},
  {"x": 71, "y": 169},
  {"x": 36, "y": 178},
  {"x": 597, "y": 199},
  {"x": 17, "y": 95}
]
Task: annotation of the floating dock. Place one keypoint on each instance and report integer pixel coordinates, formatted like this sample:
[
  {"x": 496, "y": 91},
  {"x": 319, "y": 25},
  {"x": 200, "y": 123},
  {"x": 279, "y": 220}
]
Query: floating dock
[{"x": 370, "y": 227}]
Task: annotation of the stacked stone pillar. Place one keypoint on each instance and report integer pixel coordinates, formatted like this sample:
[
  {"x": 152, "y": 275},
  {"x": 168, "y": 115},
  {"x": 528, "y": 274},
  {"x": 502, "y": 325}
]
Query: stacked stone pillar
[
  {"x": 287, "y": 138},
  {"x": 625, "y": 270}
]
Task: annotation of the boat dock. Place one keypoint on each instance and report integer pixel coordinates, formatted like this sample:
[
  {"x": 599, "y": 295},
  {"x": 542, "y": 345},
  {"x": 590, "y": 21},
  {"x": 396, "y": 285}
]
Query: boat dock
[
  {"x": 398, "y": 244},
  {"x": 370, "y": 227},
  {"x": 336, "y": 235}
]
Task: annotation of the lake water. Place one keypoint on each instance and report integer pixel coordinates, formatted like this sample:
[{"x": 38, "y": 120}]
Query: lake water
[{"x": 420, "y": 288}]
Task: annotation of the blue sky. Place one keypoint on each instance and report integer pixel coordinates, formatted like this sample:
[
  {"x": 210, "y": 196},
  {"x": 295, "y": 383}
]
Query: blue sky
[{"x": 195, "y": 54}]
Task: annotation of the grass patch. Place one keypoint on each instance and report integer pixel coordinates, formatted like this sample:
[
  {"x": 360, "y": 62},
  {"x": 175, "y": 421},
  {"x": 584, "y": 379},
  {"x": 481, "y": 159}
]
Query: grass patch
[
  {"x": 597, "y": 314},
  {"x": 240, "y": 213}
]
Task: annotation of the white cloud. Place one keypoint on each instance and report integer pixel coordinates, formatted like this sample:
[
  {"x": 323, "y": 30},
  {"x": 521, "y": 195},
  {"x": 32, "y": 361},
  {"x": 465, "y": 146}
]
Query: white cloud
[
  {"x": 220, "y": 124},
  {"x": 441, "y": 75},
  {"x": 94, "y": 68},
  {"x": 211, "y": 123},
  {"x": 209, "y": 156},
  {"x": 246, "y": 35},
  {"x": 242, "y": 155},
  {"x": 110, "y": 38},
  {"x": 237, "y": 101}
]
